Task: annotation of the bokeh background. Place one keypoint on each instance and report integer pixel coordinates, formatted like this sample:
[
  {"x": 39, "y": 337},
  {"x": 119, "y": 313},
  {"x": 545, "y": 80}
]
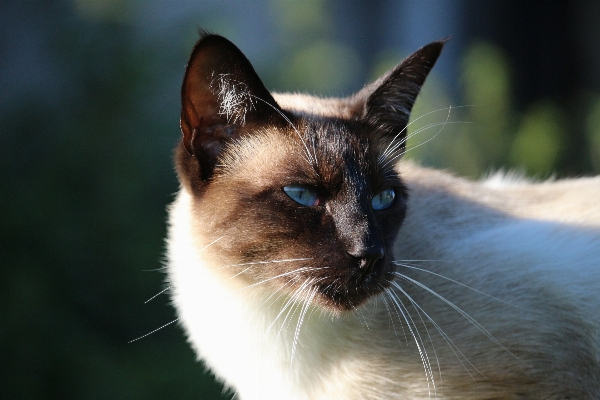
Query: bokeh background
[{"x": 89, "y": 106}]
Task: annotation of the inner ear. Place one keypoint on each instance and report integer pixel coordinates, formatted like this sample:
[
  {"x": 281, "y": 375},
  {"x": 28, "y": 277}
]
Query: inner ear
[{"x": 221, "y": 94}]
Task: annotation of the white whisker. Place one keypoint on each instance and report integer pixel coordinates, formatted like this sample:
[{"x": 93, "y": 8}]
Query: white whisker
[
  {"x": 278, "y": 291},
  {"x": 463, "y": 313},
  {"x": 389, "y": 311},
  {"x": 210, "y": 244},
  {"x": 157, "y": 294},
  {"x": 307, "y": 303},
  {"x": 302, "y": 269},
  {"x": 252, "y": 264},
  {"x": 156, "y": 330},
  {"x": 402, "y": 264},
  {"x": 294, "y": 300},
  {"x": 311, "y": 160},
  {"x": 417, "y": 338},
  {"x": 446, "y": 338},
  {"x": 288, "y": 302},
  {"x": 413, "y": 134},
  {"x": 387, "y": 150},
  {"x": 359, "y": 315},
  {"x": 431, "y": 138},
  {"x": 266, "y": 262}
]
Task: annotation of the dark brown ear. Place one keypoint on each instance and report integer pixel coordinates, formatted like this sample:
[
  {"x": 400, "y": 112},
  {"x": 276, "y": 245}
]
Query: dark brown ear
[
  {"x": 389, "y": 100},
  {"x": 221, "y": 93}
]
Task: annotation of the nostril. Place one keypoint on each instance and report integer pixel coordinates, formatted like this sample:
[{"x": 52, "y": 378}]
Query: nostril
[
  {"x": 366, "y": 264},
  {"x": 368, "y": 256}
]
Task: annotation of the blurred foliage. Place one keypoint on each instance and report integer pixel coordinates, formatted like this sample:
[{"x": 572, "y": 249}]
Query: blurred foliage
[
  {"x": 592, "y": 130},
  {"x": 324, "y": 68},
  {"x": 88, "y": 116},
  {"x": 487, "y": 133},
  {"x": 311, "y": 61},
  {"x": 86, "y": 176}
]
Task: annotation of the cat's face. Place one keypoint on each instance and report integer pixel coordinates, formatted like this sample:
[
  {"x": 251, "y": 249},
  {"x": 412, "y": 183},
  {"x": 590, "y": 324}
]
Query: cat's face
[{"x": 303, "y": 204}]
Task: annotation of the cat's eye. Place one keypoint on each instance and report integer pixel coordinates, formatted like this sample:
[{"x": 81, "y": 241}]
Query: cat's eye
[
  {"x": 302, "y": 195},
  {"x": 383, "y": 199}
]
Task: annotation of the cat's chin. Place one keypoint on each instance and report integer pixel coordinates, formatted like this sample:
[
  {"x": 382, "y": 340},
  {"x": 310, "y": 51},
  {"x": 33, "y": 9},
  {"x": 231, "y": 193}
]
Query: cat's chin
[{"x": 358, "y": 289}]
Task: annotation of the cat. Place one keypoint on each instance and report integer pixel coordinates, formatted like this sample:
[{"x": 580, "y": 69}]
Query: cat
[{"x": 306, "y": 261}]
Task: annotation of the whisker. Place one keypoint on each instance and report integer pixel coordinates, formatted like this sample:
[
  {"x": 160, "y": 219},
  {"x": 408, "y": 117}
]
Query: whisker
[
  {"x": 232, "y": 100},
  {"x": 422, "y": 129},
  {"x": 392, "y": 320},
  {"x": 289, "y": 301},
  {"x": 401, "y": 264},
  {"x": 314, "y": 151},
  {"x": 387, "y": 167},
  {"x": 156, "y": 330},
  {"x": 433, "y": 137},
  {"x": 416, "y": 336},
  {"x": 310, "y": 157},
  {"x": 307, "y": 303},
  {"x": 294, "y": 301},
  {"x": 302, "y": 269},
  {"x": 433, "y": 125},
  {"x": 210, "y": 244},
  {"x": 157, "y": 294},
  {"x": 279, "y": 291},
  {"x": 446, "y": 338},
  {"x": 393, "y": 148},
  {"x": 361, "y": 318},
  {"x": 266, "y": 262},
  {"x": 463, "y": 313},
  {"x": 387, "y": 151},
  {"x": 165, "y": 262},
  {"x": 252, "y": 264},
  {"x": 164, "y": 290}
]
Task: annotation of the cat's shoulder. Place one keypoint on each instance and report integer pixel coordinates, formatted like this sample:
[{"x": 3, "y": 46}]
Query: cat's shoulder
[{"x": 569, "y": 201}]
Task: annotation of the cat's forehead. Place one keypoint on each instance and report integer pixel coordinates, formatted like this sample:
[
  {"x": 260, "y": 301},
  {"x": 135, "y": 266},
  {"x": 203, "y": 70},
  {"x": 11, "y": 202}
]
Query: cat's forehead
[
  {"x": 321, "y": 151},
  {"x": 339, "y": 147}
]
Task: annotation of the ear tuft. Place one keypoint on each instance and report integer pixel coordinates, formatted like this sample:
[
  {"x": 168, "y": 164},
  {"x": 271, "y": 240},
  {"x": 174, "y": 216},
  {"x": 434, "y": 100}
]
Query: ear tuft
[
  {"x": 221, "y": 94},
  {"x": 234, "y": 98}
]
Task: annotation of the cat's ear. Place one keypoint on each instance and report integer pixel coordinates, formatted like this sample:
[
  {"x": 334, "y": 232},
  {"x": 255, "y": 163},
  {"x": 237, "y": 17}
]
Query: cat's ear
[
  {"x": 386, "y": 103},
  {"x": 221, "y": 93}
]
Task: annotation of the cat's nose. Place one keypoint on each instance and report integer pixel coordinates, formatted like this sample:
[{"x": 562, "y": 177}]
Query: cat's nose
[{"x": 368, "y": 255}]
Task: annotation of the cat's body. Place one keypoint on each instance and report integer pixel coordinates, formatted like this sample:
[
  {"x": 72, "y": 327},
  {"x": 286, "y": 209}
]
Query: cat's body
[{"x": 488, "y": 289}]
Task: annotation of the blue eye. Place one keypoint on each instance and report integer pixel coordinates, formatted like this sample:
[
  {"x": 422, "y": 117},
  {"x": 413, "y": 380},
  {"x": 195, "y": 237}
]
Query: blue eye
[
  {"x": 302, "y": 195},
  {"x": 383, "y": 200}
]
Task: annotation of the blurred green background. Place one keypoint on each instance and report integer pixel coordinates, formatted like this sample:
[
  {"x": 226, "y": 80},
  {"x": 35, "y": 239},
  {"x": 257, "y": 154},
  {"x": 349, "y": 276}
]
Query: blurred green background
[{"x": 89, "y": 108}]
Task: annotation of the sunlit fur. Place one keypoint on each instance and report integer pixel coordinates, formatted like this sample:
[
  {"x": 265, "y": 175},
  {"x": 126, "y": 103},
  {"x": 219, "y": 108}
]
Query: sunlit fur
[
  {"x": 492, "y": 290},
  {"x": 537, "y": 282}
]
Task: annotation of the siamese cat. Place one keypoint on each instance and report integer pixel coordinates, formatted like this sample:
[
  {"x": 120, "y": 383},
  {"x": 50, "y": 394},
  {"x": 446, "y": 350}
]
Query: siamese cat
[{"x": 306, "y": 261}]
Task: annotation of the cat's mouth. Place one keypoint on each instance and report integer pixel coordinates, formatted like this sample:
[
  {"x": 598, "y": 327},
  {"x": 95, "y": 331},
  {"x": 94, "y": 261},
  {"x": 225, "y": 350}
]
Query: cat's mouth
[{"x": 347, "y": 291}]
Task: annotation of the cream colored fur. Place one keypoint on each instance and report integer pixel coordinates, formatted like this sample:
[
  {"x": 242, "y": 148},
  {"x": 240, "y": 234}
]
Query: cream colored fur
[{"x": 522, "y": 259}]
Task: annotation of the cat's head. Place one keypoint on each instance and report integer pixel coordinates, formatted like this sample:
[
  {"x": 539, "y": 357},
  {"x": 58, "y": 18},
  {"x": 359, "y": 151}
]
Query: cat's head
[{"x": 302, "y": 199}]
